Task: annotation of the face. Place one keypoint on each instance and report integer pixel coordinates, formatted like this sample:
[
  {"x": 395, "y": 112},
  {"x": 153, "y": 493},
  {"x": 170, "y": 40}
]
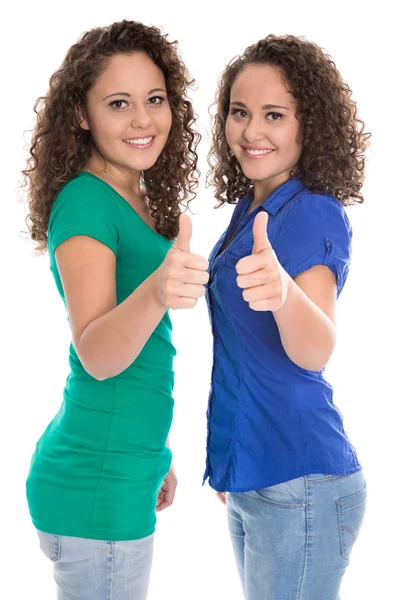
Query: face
[
  {"x": 262, "y": 129},
  {"x": 127, "y": 112}
]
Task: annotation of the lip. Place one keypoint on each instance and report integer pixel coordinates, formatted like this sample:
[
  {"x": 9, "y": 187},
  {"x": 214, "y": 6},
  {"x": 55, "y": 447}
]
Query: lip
[
  {"x": 265, "y": 152},
  {"x": 140, "y": 146}
]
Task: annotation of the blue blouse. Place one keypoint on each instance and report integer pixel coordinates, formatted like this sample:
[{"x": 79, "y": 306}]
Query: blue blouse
[{"x": 270, "y": 420}]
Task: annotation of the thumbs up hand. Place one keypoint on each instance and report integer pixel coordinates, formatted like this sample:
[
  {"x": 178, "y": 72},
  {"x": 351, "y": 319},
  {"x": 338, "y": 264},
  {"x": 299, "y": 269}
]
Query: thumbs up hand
[
  {"x": 263, "y": 280},
  {"x": 182, "y": 275}
]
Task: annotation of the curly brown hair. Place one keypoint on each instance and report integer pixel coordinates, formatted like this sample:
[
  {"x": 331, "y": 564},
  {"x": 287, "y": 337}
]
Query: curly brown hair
[
  {"x": 333, "y": 138},
  {"x": 60, "y": 148}
]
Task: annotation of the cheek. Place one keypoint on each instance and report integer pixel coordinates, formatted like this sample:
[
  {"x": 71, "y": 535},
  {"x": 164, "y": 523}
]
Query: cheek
[
  {"x": 168, "y": 120},
  {"x": 162, "y": 119},
  {"x": 292, "y": 139},
  {"x": 107, "y": 125},
  {"x": 297, "y": 135},
  {"x": 231, "y": 132}
]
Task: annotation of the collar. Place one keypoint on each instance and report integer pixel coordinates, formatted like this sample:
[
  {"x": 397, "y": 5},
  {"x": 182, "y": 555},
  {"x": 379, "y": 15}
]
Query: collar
[{"x": 282, "y": 194}]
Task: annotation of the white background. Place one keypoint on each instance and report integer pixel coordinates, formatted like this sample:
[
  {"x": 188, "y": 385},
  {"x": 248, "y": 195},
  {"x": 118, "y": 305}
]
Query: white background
[{"x": 193, "y": 557}]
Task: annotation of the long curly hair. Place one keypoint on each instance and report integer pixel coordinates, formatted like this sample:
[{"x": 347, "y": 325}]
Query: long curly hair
[
  {"x": 60, "y": 148},
  {"x": 333, "y": 138}
]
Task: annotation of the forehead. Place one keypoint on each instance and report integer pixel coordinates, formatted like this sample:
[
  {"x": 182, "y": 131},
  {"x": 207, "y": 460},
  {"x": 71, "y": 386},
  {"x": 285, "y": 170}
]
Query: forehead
[
  {"x": 261, "y": 84},
  {"x": 129, "y": 73}
]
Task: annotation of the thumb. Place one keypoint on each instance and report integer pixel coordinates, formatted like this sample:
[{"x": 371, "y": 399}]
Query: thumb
[
  {"x": 261, "y": 241},
  {"x": 182, "y": 242}
]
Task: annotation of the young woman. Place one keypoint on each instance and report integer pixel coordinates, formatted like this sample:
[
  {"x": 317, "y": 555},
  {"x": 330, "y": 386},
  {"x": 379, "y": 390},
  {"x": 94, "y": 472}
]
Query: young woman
[
  {"x": 288, "y": 147},
  {"x": 113, "y": 155}
]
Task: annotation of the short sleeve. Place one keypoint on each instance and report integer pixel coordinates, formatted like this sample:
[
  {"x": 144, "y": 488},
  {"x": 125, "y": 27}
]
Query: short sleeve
[
  {"x": 84, "y": 207},
  {"x": 315, "y": 231}
]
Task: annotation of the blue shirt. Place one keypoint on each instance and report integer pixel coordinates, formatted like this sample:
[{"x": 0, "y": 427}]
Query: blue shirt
[{"x": 270, "y": 420}]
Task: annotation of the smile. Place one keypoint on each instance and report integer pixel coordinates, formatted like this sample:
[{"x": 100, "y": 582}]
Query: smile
[
  {"x": 141, "y": 143},
  {"x": 257, "y": 153}
]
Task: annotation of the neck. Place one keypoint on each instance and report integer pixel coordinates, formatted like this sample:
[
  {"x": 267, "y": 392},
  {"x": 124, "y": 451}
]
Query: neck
[
  {"x": 265, "y": 187},
  {"x": 126, "y": 179}
]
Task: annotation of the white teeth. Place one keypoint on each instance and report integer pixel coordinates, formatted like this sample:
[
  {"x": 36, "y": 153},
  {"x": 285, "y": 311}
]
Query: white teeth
[
  {"x": 139, "y": 141},
  {"x": 258, "y": 152}
]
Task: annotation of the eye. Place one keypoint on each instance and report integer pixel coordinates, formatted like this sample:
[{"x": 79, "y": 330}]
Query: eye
[
  {"x": 156, "y": 100},
  {"x": 274, "y": 116},
  {"x": 118, "y": 104},
  {"x": 239, "y": 112}
]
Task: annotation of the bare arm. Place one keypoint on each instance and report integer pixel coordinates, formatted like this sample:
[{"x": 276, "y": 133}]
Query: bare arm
[
  {"x": 306, "y": 320},
  {"x": 106, "y": 337}
]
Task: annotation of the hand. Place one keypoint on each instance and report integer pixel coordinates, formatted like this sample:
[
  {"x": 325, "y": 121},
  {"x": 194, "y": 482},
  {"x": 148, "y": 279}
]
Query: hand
[
  {"x": 166, "y": 494},
  {"x": 221, "y": 496},
  {"x": 182, "y": 275},
  {"x": 263, "y": 280}
]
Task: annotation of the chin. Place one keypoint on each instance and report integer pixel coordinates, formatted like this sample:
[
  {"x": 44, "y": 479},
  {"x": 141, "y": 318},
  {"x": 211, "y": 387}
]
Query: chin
[
  {"x": 256, "y": 175},
  {"x": 144, "y": 165}
]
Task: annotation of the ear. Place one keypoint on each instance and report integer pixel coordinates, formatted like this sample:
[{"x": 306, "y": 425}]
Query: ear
[{"x": 80, "y": 113}]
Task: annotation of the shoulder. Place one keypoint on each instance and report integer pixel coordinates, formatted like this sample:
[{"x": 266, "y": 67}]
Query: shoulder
[
  {"x": 310, "y": 210},
  {"x": 85, "y": 206},
  {"x": 315, "y": 231},
  {"x": 83, "y": 191}
]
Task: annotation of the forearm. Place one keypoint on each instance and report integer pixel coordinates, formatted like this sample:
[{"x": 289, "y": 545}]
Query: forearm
[
  {"x": 307, "y": 334},
  {"x": 111, "y": 343}
]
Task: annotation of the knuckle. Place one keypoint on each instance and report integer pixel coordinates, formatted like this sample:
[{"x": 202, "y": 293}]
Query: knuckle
[
  {"x": 172, "y": 273},
  {"x": 176, "y": 258},
  {"x": 168, "y": 288}
]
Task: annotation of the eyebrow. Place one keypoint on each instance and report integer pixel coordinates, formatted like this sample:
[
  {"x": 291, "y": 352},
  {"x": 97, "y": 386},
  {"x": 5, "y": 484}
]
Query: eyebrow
[
  {"x": 264, "y": 107},
  {"x": 129, "y": 96}
]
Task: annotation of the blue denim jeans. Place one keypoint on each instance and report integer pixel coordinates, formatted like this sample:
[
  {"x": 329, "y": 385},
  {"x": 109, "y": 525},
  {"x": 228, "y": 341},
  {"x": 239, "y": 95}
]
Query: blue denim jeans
[
  {"x": 293, "y": 541},
  {"x": 99, "y": 570}
]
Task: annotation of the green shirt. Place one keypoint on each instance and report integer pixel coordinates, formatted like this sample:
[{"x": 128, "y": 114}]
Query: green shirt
[{"x": 98, "y": 466}]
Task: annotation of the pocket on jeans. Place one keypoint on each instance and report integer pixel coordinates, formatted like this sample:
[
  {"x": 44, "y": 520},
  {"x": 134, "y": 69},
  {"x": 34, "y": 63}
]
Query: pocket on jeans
[
  {"x": 289, "y": 494},
  {"x": 50, "y": 545},
  {"x": 351, "y": 510}
]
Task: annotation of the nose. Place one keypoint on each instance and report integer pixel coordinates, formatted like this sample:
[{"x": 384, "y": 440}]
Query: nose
[
  {"x": 140, "y": 118},
  {"x": 255, "y": 131}
]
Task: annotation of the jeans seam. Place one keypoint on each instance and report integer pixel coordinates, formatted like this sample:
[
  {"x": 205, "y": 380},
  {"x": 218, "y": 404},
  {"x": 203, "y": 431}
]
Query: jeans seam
[
  {"x": 58, "y": 548},
  {"x": 299, "y": 597},
  {"x": 112, "y": 554}
]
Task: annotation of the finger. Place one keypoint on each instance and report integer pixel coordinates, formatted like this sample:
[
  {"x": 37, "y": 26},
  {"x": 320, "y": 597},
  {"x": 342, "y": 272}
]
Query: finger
[
  {"x": 160, "y": 498},
  {"x": 195, "y": 277},
  {"x": 222, "y": 497},
  {"x": 272, "y": 304},
  {"x": 170, "y": 494},
  {"x": 261, "y": 241},
  {"x": 185, "y": 290},
  {"x": 185, "y": 234},
  {"x": 262, "y": 292},
  {"x": 167, "y": 500},
  {"x": 254, "y": 262},
  {"x": 185, "y": 275},
  {"x": 162, "y": 506},
  {"x": 194, "y": 261},
  {"x": 178, "y": 303},
  {"x": 261, "y": 277}
]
